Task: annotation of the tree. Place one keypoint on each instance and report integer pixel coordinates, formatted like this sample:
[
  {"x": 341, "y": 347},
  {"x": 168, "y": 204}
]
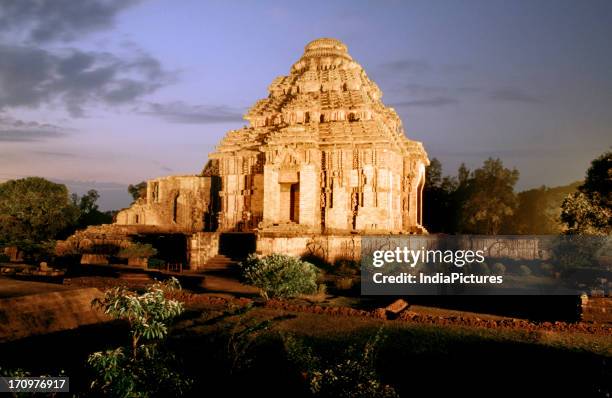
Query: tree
[
  {"x": 490, "y": 198},
  {"x": 88, "y": 210},
  {"x": 34, "y": 210},
  {"x": 438, "y": 196},
  {"x": 138, "y": 190},
  {"x": 589, "y": 211},
  {"x": 599, "y": 179},
  {"x": 539, "y": 210}
]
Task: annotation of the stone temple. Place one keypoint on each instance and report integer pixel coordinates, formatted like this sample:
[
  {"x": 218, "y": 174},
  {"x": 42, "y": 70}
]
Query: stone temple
[{"x": 322, "y": 156}]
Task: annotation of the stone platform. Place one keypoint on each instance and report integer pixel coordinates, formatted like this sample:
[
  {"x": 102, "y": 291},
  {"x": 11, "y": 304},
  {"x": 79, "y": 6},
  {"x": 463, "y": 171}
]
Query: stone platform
[{"x": 35, "y": 308}]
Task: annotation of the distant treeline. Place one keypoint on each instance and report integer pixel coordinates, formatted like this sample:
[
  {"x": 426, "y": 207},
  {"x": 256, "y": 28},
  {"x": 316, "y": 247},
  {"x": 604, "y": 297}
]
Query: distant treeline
[{"x": 483, "y": 201}]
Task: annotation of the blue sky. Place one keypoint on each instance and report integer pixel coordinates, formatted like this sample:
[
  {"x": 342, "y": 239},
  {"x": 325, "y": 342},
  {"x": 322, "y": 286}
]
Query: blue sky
[{"x": 103, "y": 93}]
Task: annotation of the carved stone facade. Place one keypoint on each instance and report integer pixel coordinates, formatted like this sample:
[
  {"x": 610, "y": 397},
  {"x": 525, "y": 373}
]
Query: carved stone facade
[
  {"x": 176, "y": 203},
  {"x": 322, "y": 154}
]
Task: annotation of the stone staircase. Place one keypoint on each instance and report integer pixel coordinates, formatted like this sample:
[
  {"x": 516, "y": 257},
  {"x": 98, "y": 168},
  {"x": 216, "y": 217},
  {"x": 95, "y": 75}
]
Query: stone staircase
[{"x": 219, "y": 263}]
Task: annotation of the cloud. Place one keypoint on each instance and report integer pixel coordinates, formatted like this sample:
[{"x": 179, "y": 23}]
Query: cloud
[
  {"x": 7, "y": 135},
  {"x": 64, "y": 20},
  {"x": 15, "y": 130},
  {"x": 513, "y": 95},
  {"x": 163, "y": 167},
  {"x": 31, "y": 77},
  {"x": 54, "y": 154},
  {"x": 429, "y": 102},
  {"x": 510, "y": 153},
  {"x": 180, "y": 112},
  {"x": 423, "y": 89},
  {"x": 408, "y": 65}
]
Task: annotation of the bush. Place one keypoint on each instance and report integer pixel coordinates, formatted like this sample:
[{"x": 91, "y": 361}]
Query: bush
[
  {"x": 137, "y": 250},
  {"x": 351, "y": 376},
  {"x": 498, "y": 269},
  {"x": 346, "y": 267},
  {"x": 344, "y": 283},
  {"x": 524, "y": 270},
  {"x": 143, "y": 369},
  {"x": 279, "y": 275},
  {"x": 4, "y": 258}
]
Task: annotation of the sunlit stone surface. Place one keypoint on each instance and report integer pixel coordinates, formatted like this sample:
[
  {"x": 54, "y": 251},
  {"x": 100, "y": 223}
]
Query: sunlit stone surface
[{"x": 322, "y": 154}]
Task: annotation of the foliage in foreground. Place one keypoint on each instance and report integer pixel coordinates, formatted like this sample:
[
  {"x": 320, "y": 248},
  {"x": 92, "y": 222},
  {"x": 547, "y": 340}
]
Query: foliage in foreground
[
  {"x": 144, "y": 369},
  {"x": 352, "y": 376},
  {"x": 279, "y": 275}
]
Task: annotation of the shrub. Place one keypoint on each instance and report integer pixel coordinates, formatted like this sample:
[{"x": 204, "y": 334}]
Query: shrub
[
  {"x": 137, "y": 250},
  {"x": 142, "y": 369},
  {"x": 498, "y": 269},
  {"x": 279, "y": 275},
  {"x": 4, "y": 258},
  {"x": 352, "y": 376},
  {"x": 346, "y": 267},
  {"x": 344, "y": 283},
  {"x": 524, "y": 270}
]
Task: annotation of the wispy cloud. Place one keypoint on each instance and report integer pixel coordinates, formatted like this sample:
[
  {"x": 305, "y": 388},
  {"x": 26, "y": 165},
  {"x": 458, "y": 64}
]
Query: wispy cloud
[
  {"x": 180, "y": 112},
  {"x": 17, "y": 130},
  {"x": 509, "y": 94},
  {"x": 27, "y": 135},
  {"x": 407, "y": 65},
  {"x": 56, "y": 154},
  {"x": 428, "y": 102},
  {"x": 163, "y": 167}
]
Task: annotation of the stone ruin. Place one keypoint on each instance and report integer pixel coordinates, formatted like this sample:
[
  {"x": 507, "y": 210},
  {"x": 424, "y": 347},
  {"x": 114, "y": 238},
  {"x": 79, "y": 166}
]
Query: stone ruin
[{"x": 322, "y": 156}]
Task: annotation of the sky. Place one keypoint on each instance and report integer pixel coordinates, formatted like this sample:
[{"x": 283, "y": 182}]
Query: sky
[{"x": 104, "y": 93}]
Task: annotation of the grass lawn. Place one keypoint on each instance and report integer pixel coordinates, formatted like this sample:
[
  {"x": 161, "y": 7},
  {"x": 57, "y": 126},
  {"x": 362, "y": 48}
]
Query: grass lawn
[{"x": 417, "y": 359}]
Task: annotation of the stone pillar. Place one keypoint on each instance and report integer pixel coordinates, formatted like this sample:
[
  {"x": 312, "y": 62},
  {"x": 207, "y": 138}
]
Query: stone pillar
[
  {"x": 309, "y": 195},
  {"x": 271, "y": 195}
]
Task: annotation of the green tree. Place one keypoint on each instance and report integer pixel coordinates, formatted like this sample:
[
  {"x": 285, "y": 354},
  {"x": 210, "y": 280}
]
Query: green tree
[
  {"x": 138, "y": 190},
  {"x": 89, "y": 213},
  {"x": 589, "y": 211},
  {"x": 539, "y": 210},
  {"x": 490, "y": 198},
  {"x": 438, "y": 196},
  {"x": 34, "y": 210}
]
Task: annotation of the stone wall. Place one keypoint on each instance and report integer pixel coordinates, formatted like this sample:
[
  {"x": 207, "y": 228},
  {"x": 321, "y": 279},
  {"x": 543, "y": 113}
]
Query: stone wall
[
  {"x": 202, "y": 247},
  {"x": 329, "y": 248},
  {"x": 179, "y": 202},
  {"x": 332, "y": 248},
  {"x": 597, "y": 309}
]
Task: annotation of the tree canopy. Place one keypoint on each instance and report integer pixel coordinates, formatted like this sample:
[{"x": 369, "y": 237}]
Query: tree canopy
[
  {"x": 34, "y": 210},
  {"x": 138, "y": 190},
  {"x": 478, "y": 201},
  {"x": 589, "y": 211}
]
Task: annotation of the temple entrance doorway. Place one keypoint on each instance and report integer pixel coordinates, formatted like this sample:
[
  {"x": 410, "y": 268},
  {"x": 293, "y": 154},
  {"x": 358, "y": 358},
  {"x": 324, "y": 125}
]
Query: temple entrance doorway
[{"x": 290, "y": 202}]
